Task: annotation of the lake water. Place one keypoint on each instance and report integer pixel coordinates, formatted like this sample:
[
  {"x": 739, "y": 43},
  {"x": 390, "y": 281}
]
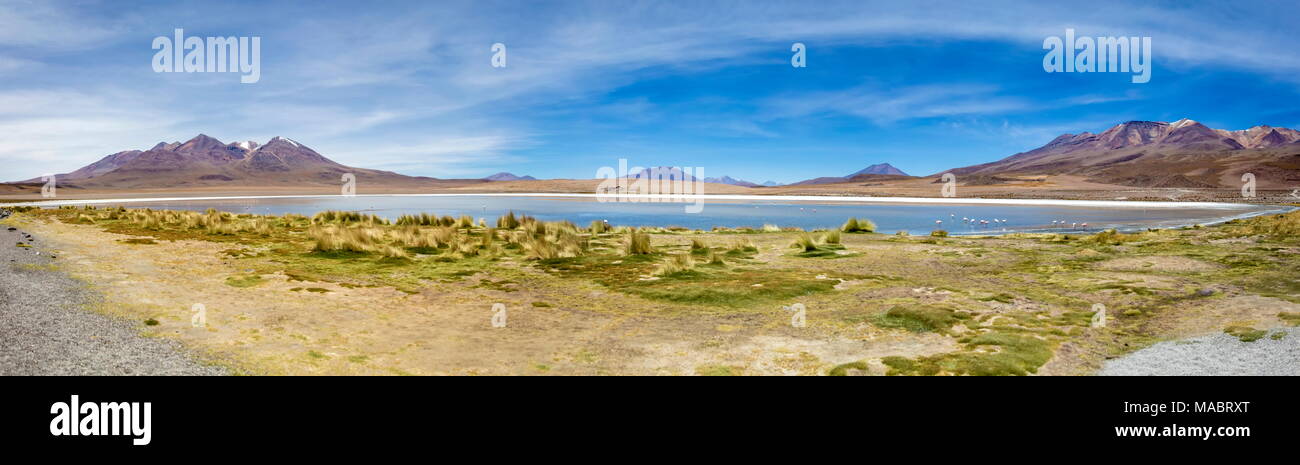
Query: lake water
[{"x": 889, "y": 217}]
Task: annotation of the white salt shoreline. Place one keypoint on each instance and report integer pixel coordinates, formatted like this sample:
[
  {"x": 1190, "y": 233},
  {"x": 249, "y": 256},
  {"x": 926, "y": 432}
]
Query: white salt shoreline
[{"x": 703, "y": 197}]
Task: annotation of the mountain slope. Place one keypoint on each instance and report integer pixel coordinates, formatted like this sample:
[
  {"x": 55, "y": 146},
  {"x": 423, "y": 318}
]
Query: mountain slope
[
  {"x": 204, "y": 160},
  {"x": 879, "y": 168},
  {"x": 730, "y": 181},
  {"x": 876, "y": 171},
  {"x": 1183, "y": 153},
  {"x": 504, "y": 176}
]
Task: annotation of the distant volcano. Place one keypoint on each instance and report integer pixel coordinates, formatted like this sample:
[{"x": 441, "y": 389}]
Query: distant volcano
[
  {"x": 880, "y": 168},
  {"x": 876, "y": 170},
  {"x": 504, "y": 176},
  {"x": 204, "y": 160}
]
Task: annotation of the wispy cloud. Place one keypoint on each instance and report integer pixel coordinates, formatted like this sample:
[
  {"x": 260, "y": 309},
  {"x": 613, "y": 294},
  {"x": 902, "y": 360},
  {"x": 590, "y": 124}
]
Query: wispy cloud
[
  {"x": 407, "y": 76},
  {"x": 885, "y": 106},
  {"x": 437, "y": 155}
]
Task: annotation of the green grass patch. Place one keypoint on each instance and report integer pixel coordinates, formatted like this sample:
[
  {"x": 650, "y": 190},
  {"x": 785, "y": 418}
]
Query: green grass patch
[
  {"x": 1245, "y": 333},
  {"x": 719, "y": 370},
  {"x": 919, "y": 318},
  {"x": 734, "y": 288},
  {"x": 1002, "y": 297},
  {"x": 843, "y": 369},
  {"x": 249, "y": 280},
  {"x": 988, "y": 354}
]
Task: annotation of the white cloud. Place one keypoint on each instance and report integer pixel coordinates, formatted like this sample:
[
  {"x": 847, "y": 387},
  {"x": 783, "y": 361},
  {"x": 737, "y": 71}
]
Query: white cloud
[
  {"x": 441, "y": 156},
  {"x": 49, "y": 25},
  {"x": 885, "y": 106},
  {"x": 60, "y": 131}
]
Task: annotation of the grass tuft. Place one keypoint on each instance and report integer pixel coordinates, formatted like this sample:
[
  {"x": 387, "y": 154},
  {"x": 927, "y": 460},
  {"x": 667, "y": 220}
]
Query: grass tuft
[{"x": 855, "y": 225}]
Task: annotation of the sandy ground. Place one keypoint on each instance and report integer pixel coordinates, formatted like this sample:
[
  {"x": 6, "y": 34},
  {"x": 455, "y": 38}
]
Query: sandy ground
[
  {"x": 285, "y": 325},
  {"x": 446, "y": 329},
  {"x": 46, "y": 329}
]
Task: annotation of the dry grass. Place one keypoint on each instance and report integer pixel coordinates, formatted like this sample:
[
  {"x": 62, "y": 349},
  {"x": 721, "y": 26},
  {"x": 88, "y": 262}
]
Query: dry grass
[
  {"x": 637, "y": 243},
  {"x": 675, "y": 264},
  {"x": 805, "y": 243},
  {"x": 854, "y": 225},
  {"x": 831, "y": 237}
]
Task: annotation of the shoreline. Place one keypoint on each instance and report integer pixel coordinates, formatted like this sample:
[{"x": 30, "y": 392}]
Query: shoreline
[
  {"x": 702, "y": 197},
  {"x": 809, "y": 200}
]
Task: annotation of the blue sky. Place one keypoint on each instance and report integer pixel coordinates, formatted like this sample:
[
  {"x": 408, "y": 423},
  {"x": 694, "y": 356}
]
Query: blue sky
[{"x": 924, "y": 86}]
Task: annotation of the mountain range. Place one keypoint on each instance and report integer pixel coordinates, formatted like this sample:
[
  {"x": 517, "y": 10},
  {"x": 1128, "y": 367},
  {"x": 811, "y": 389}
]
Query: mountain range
[
  {"x": 665, "y": 172},
  {"x": 879, "y": 171},
  {"x": 1182, "y": 153},
  {"x": 504, "y": 176},
  {"x": 204, "y": 160}
]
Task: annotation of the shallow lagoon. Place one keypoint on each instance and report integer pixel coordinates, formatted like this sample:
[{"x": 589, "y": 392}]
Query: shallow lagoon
[{"x": 916, "y": 218}]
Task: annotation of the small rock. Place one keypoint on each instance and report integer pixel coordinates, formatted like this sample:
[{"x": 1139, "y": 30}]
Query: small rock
[{"x": 1205, "y": 292}]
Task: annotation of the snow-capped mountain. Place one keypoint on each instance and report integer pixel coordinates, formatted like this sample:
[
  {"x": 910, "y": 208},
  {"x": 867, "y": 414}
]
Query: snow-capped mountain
[{"x": 206, "y": 160}]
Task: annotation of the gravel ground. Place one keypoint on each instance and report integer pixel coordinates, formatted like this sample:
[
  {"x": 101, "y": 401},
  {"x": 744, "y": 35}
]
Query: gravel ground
[
  {"x": 1214, "y": 355},
  {"x": 44, "y": 329}
]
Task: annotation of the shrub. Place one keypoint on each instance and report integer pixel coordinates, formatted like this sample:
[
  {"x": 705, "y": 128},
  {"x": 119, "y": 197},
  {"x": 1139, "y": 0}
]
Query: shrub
[
  {"x": 675, "y": 264},
  {"x": 346, "y": 239},
  {"x": 560, "y": 242},
  {"x": 637, "y": 243},
  {"x": 388, "y": 251},
  {"x": 939, "y": 233},
  {"x": 831, "y": 237},
  {"x": 507, "y": 221},
  {"x": 744, "y": 245},
  {"x": 805, "y": 243},
  {"x": 854, "y": 225},
  {"x": 599, "y": 227},
  {"x": 329, "y": 216},
  {"x": 1109, "y": 237}
]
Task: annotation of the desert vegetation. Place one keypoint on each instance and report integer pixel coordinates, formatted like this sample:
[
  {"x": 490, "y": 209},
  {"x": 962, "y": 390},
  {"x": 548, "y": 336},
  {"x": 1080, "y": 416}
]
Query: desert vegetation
[{"x": 984, "y": 305}]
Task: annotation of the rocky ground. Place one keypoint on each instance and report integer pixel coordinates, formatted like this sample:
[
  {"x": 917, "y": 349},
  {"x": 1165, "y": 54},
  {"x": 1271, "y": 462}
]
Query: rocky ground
[
  {"x": 46, "y": 329},
  {"x": 1213, "y": 355}
]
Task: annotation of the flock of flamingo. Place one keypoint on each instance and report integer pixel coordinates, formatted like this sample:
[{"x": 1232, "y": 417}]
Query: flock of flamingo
[{"x": 982, "y": 223}]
